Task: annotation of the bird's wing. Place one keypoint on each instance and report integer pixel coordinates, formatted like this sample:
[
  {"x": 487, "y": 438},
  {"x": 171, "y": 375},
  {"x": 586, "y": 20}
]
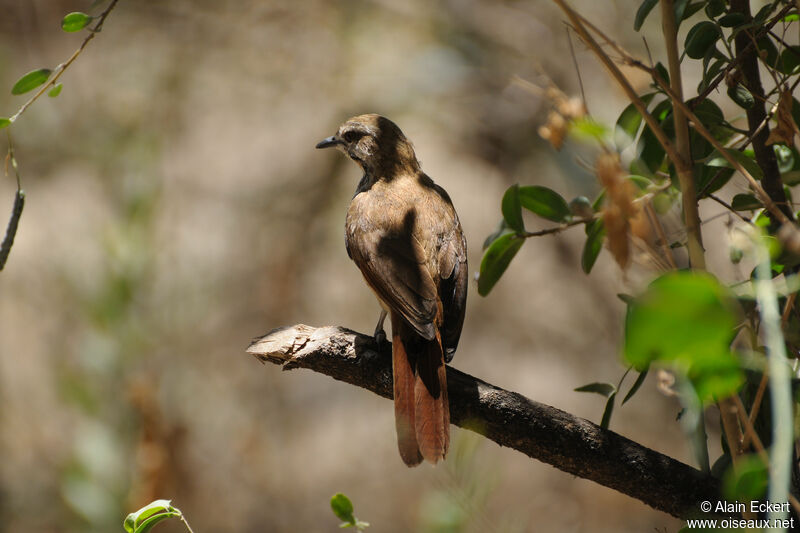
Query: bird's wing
[
  {"x": 453, "y": 287},
  {"x": 396, "y": 267}
]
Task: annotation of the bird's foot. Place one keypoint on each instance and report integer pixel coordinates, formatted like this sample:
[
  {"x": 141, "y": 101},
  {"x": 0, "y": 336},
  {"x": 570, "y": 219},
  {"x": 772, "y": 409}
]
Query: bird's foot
[{"x": 380, "y": 338}]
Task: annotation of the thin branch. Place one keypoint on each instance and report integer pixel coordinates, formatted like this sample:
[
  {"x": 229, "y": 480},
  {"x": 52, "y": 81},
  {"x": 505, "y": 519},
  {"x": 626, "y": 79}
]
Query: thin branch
[
  {"x": 59, "y": 70},
  {"x": 577, "y": 69},
  {"x": 567, "y": 442},
  {"x": 729, "y": 207},
  {"x": 556, "y": 229},
  {"x": 16, "y": 211},
  {"x": 735, "y": 62},
  {"x": 580, "y": 24},
  {"x": 683, "y": 165},
  {"x": 701, "y": 129},
  {"x": 757, "y": 115}
]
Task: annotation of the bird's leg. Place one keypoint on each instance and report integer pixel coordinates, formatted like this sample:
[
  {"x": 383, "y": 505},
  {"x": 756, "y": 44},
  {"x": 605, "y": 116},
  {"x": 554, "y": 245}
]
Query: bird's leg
[{"x": 380, "y": 335}]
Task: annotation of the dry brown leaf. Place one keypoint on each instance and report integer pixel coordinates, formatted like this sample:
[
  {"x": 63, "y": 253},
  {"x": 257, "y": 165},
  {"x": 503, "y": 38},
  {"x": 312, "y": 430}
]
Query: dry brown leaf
[
  {"x": 622, "y": 216},
  {"x": 784, "y": 130},
  {"x": 617, "y": 235}
]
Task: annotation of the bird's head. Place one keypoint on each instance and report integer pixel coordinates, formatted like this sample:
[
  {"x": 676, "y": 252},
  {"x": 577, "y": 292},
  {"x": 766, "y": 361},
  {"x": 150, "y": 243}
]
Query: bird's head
[{"x": 374, "y": 142}]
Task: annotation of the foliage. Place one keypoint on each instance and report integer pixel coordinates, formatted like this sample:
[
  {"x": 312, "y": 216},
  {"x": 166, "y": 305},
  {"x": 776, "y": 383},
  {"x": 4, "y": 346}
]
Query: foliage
[
  {"x": 151, "y": 514},
  {"x": 688, "y": 322},
  {"x": 342, "y": 507}
]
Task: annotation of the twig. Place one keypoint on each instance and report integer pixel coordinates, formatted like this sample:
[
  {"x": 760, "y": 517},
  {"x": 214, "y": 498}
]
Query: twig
[
  {"x": 16, "y": 211},
  {"x": 556, "y": 229},
  {"x": 580, "y": 24},
  {"x": 757, "y": 115},
  {"x": 735, "y": 61},
  {"x": 59, "y": 70},
  {"x": 729, "y": 207},
  {"x": 701, "y": 129},
  {"x": 567, "y": 442},
  {"x": 577, "y": 69}
]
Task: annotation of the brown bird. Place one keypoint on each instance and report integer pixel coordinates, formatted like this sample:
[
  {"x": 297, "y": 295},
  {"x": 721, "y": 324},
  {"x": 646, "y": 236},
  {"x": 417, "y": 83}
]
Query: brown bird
[{"x": 403, "y": 233}]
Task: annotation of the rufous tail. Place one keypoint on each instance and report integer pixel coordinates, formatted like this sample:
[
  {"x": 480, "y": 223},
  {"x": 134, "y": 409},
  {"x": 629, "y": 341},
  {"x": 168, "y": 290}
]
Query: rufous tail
[{"x": 422, "y": 413}]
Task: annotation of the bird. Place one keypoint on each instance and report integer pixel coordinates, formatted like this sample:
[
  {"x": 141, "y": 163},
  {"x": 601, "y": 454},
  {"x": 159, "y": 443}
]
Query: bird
[{"x": 403, "y": 233}]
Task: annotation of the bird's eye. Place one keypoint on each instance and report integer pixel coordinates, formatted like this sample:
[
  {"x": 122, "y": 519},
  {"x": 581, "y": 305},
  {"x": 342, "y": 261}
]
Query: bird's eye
[{"x": 351, "y": 136}]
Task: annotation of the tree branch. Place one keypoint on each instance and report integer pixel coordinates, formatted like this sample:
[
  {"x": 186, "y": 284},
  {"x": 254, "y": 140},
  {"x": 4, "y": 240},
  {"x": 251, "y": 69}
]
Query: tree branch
[
  {"x": 757, "y": 114},
  {"x": 684, "y": 166},
  {"x": 567, "y": 442}
]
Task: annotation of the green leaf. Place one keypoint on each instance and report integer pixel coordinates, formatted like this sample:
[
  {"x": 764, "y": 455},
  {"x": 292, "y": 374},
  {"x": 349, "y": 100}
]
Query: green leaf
[
  {"x": 75, "y": 21},
  {"x": 767, "y": 48},
  {"x": 148, "y": 516},
  {"x": 149, "y": 523},
  {"x": 650, "y": 150},
  {"x": 629, "y": 122},
  {"x": 700, "y": 38},
  {"x": 690, "y": 10},
  {"x": 31, "y": 80},
  {"x": 745, "y": 202},
  {"x": 55, "y": 91},
  {"x": 790, "y": 178},
  {"x": 496, "y": 260},
  {"x": 791, "y": 17},
  {"x": 587, "y": 128},
  {"x": 679, "y": 7},
  {"x": 641, "y": 182},
  {"x": 502, "y": 229},
  {"x": 644, "y": 10},
  {"x": 790, "y": 60},
  {"x": 512, "y": 209},
  {"x": 710, "y": 73},
  {"x": 708, "y": 112},
  {"x": 715, "y": 8},
  {"x": 748, "y": 481},
  {"x": 716, "y": 160},
  {"x": 595, "y": 232},
  {"x": 343, "y": 508},
  {"x": 4, "y": 122},
  {"x": 687, "y": 320},
  {"x": 662, "y": 72},
  {"x": 711, "y": 179},
  {"x": 739, "y": 94},
  {"x": 732, "y": 20},
  {"x": 609, "y": 409},
  {"x": 636, "y": 386},
  {"x": 544, "y": 202},
  {"x": 603, "y": 389}
]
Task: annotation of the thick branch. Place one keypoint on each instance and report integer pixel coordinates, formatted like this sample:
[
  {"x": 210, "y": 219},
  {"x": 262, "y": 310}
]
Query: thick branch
[
  {"x": 757, "y": 114},
  {"x": 567, "y": 442}
]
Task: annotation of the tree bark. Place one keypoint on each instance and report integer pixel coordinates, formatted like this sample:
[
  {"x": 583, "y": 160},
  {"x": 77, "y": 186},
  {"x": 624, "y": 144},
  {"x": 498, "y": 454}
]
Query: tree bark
[
  {"x": 560, "y": 439},
  {"x": 757, "y": 113}
]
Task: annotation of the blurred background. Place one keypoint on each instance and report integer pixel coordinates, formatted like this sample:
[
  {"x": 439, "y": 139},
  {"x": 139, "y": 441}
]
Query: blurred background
[{"x": 177, "y": 209}]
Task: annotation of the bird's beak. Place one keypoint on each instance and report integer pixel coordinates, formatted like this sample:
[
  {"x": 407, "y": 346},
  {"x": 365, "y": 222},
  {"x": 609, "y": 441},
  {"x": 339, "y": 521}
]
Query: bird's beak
[{"x": 330, "y": 141}]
